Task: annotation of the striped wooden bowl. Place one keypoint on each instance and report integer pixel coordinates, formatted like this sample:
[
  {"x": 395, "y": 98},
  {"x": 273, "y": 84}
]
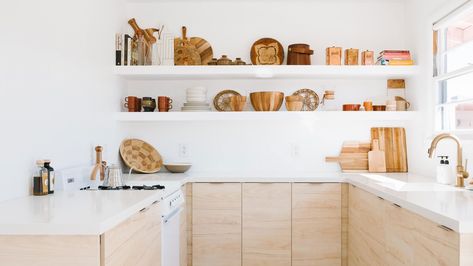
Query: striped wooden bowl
[{"x": 140, "y": 156}]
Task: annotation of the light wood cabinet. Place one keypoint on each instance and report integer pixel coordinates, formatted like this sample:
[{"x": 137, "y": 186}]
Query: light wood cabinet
[
  {"x": 366, "y": 239},
  {"x": 266, "y": 224},
  {"x": 183, "y": 233},
  {"x": 137, "y": 241},
  {"x": 316, "y": 224},
  {"x": 216, "y": 224}
]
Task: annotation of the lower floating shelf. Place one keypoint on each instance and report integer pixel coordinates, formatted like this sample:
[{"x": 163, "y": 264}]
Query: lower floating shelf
[{"x": 281, "y": 115}]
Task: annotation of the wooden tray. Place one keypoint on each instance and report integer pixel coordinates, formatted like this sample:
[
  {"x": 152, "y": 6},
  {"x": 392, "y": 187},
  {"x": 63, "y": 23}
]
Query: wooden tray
[
  {"x": 140, "y": 156},
  {"x": 267, "y": 51}
]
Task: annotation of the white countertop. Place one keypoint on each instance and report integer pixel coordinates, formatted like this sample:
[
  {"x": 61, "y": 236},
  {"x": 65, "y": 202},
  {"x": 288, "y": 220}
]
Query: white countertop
[{"x": 94, "y": 212}]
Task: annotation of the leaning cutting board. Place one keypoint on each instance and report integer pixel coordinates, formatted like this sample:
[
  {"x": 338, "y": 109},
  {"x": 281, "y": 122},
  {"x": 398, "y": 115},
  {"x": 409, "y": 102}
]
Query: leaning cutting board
[
  {"x": 203, "y": 48},
  {"x": 353, "y": 158},
  {"x": 185, "y": 53},
  {"x": 392, "y": 140}
]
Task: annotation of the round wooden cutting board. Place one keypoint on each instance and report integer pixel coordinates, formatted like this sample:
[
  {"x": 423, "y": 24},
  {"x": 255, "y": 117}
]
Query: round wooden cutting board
[
  {"x": 267, "y": 51},
  {"x": 203, "y": 49}
]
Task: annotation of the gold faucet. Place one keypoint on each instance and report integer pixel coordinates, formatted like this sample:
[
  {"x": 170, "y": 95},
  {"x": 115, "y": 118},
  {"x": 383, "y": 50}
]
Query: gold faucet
[
  {"x": 461, "y": 171},
  {"x": 99, "y": 164}
]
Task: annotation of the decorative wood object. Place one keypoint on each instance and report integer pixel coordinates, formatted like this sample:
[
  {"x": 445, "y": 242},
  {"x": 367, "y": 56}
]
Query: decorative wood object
[
  {"x": 333, "y": 56},
  {"x": 299, "y": 54},
  {"x": 267, "y": 100},
  {"x": 203, "y": 48},
  {"x": 222, "y": 100},
  {"x": 185, "y": 53},
  {"x": 392, "y": 140},
  {"x": 367, "y": 57},
  {"x": 311, "y": 99},
  {"x": 376, "y": 159},
  {"x": 351, "y": 57},
  {"x": 147, "y": 33},
  {"x": 396, "y": 84},
  {"x": 267, "y": 51},
  {"x": 140, "y": 156},
  {"x": 353, "y": 157}
]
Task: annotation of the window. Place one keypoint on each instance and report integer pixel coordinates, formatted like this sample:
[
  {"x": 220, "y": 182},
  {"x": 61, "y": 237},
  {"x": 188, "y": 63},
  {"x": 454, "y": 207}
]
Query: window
[{"x": 453, "y": 70}]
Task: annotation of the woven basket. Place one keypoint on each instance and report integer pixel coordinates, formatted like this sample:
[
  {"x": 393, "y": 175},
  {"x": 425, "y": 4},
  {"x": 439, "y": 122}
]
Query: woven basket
[{"x": 140, "y": 156}]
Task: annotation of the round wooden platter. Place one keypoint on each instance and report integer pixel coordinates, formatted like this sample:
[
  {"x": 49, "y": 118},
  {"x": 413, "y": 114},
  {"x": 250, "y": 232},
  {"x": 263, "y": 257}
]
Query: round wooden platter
[
  {"x": 185, "y": 53},
  {"x": 267, "y": 51},
  {"x": 222, "y": 100},
  {"x": 311, "y": 99},
  {"x": 204, "y": 49},
  {"x": 140, "y": 156}
]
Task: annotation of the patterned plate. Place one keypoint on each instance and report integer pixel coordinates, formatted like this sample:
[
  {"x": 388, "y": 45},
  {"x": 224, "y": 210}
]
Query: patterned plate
[
  {"x": 140, "y": 156},
  {"x": 311, "y": 99},
  {"x": 222, "y": 100}
]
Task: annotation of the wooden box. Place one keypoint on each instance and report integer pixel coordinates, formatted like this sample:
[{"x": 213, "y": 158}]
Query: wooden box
[
  {"x": 367, "y": 58},
  {"x": 396, "y": 84},
  {"x": 333, "y": 56},
  {"x": 351, "y": 56}
]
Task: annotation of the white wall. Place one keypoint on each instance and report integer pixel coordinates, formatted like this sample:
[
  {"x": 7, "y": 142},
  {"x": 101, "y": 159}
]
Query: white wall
[
  {"x": 231, "y": 27},
  {"x": 57, "y": 86},
  {"x": 420, "y": 15}
]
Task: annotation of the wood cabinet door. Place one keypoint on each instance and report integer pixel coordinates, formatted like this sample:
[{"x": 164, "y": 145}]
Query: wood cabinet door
[
  {"x": 366, "y": 239},
  {"x": 316, "y": 224},
  {"x": 400, "y": 235},
  {"x": 266, "y": 224},
  {"x": 183, "y": 233},
  {"x": 216, "y": 224},
  {"x": 137, "y": 241}
]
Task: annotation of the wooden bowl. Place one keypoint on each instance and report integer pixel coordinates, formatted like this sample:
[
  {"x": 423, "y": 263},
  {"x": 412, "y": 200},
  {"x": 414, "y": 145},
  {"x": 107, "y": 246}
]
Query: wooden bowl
[
  {"x": 351, "y": 107},
  {"x": 294, "y": 98},
  {"x": 266, "y": 100},
  {"x": 178, "y": 167},
  {"x": 140, "y": 156},
  {"x": 294, "y": 106},
  {"x": 379, "y": 107},
  {"x": 237, "y": 103}
]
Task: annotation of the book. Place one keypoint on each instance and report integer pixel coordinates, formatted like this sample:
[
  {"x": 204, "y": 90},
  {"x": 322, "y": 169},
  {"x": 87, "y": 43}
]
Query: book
[
  {"x": 127, "y": 49},
  {"x": 118, "y": 49},
  {"x": 400, "y": 62}
]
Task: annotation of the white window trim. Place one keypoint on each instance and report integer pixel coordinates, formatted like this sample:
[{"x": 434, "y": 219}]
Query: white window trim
[{"x": 442, "y": 17}]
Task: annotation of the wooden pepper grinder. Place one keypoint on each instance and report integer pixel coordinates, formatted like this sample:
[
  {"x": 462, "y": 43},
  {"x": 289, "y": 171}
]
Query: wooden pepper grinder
[{"x": 99, "y": 164}]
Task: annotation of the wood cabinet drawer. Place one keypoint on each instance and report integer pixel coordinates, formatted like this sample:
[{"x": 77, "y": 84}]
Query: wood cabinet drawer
[{"x": 137, "y": 241}]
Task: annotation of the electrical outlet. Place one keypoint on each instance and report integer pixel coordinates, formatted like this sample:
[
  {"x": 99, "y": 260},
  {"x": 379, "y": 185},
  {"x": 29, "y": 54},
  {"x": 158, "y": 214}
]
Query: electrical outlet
[
  {"x": 183, "y": 150},
  {"x": 295, "y": 150}
]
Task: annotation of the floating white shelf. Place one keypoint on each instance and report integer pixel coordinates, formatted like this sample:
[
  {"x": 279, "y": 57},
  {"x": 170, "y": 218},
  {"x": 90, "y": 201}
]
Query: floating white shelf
[
  {"x": 281, "y": 115},
  {"x": 266, "y": 72}
]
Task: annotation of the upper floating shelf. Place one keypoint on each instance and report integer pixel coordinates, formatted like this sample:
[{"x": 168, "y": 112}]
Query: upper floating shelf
[{"x": 265, "y": 72}]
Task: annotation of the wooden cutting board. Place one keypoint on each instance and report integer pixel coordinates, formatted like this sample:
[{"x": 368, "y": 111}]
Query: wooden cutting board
[
  {"x": 203, "y": 48},
  {"x": 392, "y": 140},
  {"x": 353, "y": 158},
  {"x": 267, "y": 51},
  {"x": 376, "y": 159},
  {"x": 185, "y": 53}
]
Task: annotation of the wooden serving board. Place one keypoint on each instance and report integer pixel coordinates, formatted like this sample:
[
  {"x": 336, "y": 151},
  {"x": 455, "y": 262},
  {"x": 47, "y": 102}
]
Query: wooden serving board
[
  {"x": 267, "y": 51},
  {"x": 185, "y": 53},
  {"x": 392, "y": 140},
  {"x": 203, "y": 48},
  {"x": 353, "y": 157}
]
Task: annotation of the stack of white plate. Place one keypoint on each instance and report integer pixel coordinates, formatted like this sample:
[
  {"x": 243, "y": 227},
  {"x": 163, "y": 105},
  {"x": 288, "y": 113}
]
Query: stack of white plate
[{"x": 196, "y": 100}]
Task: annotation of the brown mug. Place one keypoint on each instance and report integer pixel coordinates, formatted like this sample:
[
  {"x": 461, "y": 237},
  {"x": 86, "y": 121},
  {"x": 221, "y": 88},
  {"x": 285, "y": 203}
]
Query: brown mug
[
  {"x": 131, "y": 103},
  {"x": 164, "y": 103},
  {"x": 368, "y": 105}
]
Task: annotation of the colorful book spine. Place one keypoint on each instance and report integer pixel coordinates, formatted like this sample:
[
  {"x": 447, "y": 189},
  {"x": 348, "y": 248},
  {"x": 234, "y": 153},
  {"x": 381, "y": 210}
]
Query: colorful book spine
[
  {"x": 400, "y": 62},
  {"x": 118, "y": 49}
]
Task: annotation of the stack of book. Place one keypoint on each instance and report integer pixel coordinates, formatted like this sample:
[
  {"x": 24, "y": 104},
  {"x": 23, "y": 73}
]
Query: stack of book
[{"x": 395, "y": 58}]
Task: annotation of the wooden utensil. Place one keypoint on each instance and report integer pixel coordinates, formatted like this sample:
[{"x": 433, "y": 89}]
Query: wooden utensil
[
  {"x": 267, "y": 51},
  {"x": 376, "y": 159},
  {"x": 147, "y": 33},
  {"x": 353, "y": 157},
  {"x": 267, "y": 100},
  {"x": 185, "y": 53},
  {"x": 392, "y": 140},
  {"x": 203, "y": 48}
]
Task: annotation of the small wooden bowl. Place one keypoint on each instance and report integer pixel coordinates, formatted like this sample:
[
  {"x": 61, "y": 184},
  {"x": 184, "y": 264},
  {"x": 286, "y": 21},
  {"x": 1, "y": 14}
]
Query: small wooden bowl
[
  {"x": 294, "y": 106},
  {"x": 379, "y": 107},
  {"x": 294, "y": 98},
  {"x": 351, "y": 107},
  {"x": 267, "y": 100},
  {"x": 237, "y": 103}
]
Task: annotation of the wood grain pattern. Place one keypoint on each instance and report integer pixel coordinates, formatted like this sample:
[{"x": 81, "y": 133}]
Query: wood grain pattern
[
  {"x": 344, "y": 224},
  {"x": 400, "y": 235},
  {"x": 216, "y": 224},
  {"x": 376, "y": 159},
  {"x": 189, "y": 222},
  {"x": 353, "y": 157},
  {"x": 316, "y": 224},
  {"x": 137, "y": 241},
  {"x": 266, "y": 224},
  {"x": 267, "y": 100},
  {"x": 203, "y": 48},
  {"x": 183, "y": 232},
  {"x": 185, "y": 53},
  {"x": 49, "y": 250},
  {"x": 267, "y": 51},
  {"x": 392, "y": 140}
]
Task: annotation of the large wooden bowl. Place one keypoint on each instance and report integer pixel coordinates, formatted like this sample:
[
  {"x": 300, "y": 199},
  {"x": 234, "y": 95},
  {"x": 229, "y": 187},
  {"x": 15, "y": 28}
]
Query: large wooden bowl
[{"x": 267, "y": 100}]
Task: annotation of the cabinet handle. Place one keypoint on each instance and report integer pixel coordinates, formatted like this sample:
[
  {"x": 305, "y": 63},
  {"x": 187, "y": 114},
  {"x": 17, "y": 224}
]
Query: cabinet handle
[
  {"x": 155, "y": 202},
  {"x": 397, "y": 205},
  {"x": 380, "y": 198},
  {"x": 144, "y": 209},
  {"x": 446, "y": 228}
]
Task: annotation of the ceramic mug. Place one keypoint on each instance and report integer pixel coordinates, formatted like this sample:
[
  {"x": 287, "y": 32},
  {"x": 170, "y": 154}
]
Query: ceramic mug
[
  {"x": 164, "y": 104},
  {"x": 402, "y": 104},
  {"x": 131, "y": 103},
  {"x": 149, "y": 104}
]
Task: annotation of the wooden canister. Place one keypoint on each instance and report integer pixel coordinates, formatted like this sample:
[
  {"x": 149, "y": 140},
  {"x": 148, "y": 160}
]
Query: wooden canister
[
  {"x": 299, "y": 54},
  {"x": 351, "y": 56},
  {"x": 367, "y": 58},
  {"x": 333, "y": 56}
]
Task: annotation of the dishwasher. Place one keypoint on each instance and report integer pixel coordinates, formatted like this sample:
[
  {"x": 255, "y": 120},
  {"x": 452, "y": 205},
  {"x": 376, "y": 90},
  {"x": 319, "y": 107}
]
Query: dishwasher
[{"x": 172, "y": 206}]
